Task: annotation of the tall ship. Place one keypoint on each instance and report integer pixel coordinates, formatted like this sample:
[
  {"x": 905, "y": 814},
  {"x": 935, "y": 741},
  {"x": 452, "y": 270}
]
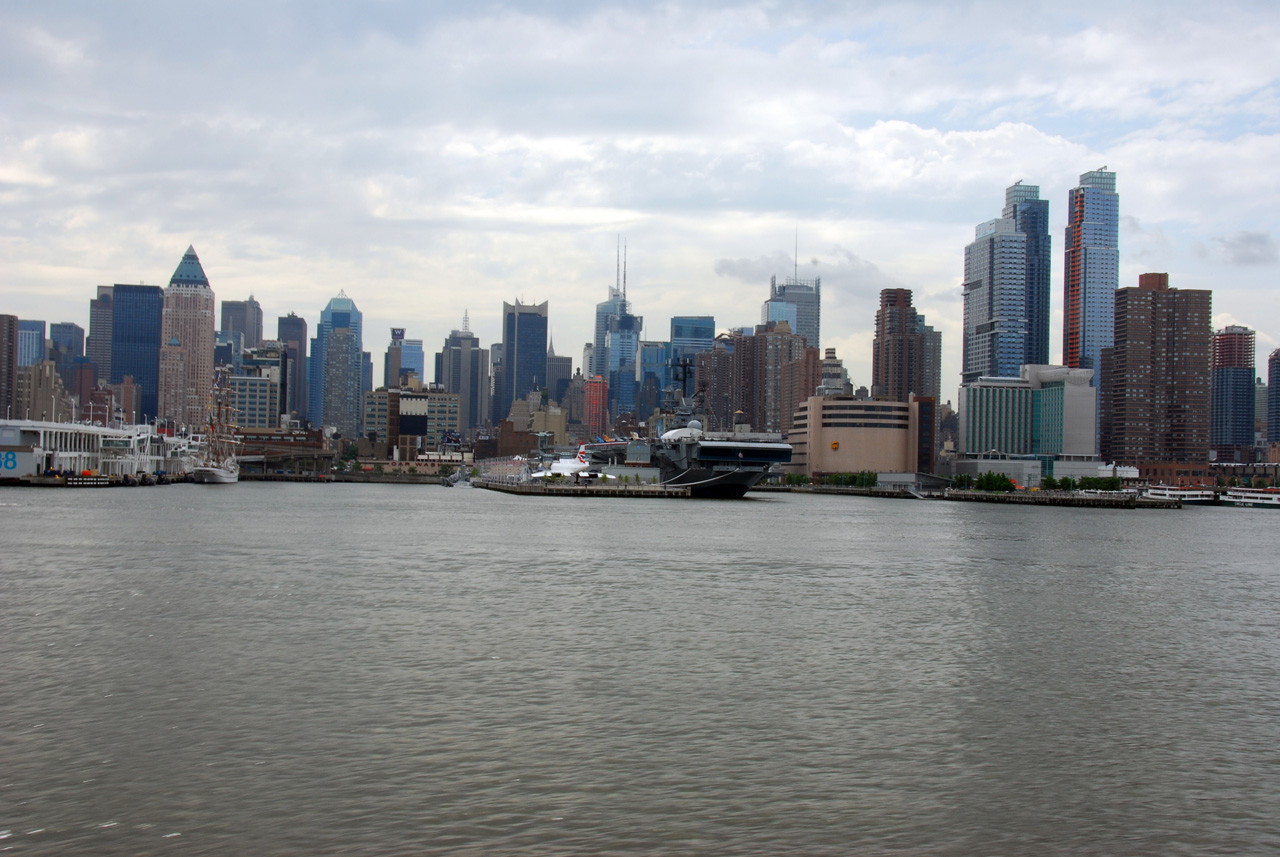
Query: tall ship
[{"x": 216, "y": 464}]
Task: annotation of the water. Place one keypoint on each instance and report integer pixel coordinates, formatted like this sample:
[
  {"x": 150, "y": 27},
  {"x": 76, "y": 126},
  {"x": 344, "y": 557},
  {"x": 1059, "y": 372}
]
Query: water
[{"x": 340, "y": 669}]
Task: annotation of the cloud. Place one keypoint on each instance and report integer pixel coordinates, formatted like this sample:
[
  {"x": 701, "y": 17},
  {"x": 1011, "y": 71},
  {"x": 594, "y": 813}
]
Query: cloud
[{"x": 1248, "y": 248}]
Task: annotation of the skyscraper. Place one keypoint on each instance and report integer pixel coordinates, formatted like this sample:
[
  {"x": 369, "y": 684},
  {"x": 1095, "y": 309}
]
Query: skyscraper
[
  {"x": 524, "y": 351},
  {"x": 606, "y": 311},
  {"x": 1092, "y": 270},
  {"x": 906, "y": 353},
  {"x": 622, "y": 343},
  {"x": 340, "y": 313},
  {"x": 98, "y": 348},
  {"x": 243, "y": 317},
  {"x": 31, "y": 341},
  {"x": 1273, "y": 397},
  {"x": 187, "y": 341},
  {"x": 342, "y": 394},
  {"x": 1231, "y": 422},
  {"x": 1154, "y": 391},
  {"x": 8, "y": 365},
  {"x": 559, "y": 372},
  {"x": 806, "y": 297},
  {"x": 137, "y": 314},
  {"x": 462, "y": 367},
  {"x": 1030, "y": 215},
  {"x": 291, "y": 331}
]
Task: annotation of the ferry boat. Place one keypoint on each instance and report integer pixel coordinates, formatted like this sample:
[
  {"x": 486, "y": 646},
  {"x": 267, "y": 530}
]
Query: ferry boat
[
  {"x": 1188, "y": 496},
  {"x": 1260, "y": 497}
]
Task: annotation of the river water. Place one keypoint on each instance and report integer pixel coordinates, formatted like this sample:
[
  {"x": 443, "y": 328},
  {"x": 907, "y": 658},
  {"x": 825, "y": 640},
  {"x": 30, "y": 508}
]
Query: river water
[{"x": 344, "y": 669}]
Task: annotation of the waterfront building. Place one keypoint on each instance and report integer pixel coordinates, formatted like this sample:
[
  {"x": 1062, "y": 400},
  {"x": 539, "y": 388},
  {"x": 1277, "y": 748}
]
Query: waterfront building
[
  {"x": 8, "y": 365},
  {"x": 524, "y": 351},
  {"x": 840, "y": 434},
  {"x": 1231, "y": 419},
  {"x": 291, "y": 333},
  {"x": 559, "y": 372},
  {"x": 462, "y": 367},
  {"x": 137, "y": 319},
  {"x": 243, "y": 317},
  {"x": 806, "y": 297},
  {"x": 31, "y": 342},
  {"x": 1046, "y": 411},
  {"x": 1092, "y": 269},
  {"x": 425, "y": 419},
  {"x": 341, "y": 313},
  {"x": 906, "y": 354},
  {"x": 98, "y": 346},
  {"x": 186, "y": 352},
  {"x": 1273, "y": 397},
  {"x": 1154, "y": 399}
]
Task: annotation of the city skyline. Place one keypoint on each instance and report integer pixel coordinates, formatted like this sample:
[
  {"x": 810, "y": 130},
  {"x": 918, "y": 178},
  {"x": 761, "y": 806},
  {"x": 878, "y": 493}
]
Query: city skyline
[{"x": 695, "y": 134}]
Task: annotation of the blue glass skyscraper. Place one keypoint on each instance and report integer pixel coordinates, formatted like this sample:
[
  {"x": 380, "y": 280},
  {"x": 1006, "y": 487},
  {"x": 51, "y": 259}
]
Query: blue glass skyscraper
[
  {"x": 524, "y": 352},
  {"x": 1030, "y": 216},
  {"x": 1092, "y": 271},
  {"x": 340, "y": 313},
  {"x": 137, "y": 314}
]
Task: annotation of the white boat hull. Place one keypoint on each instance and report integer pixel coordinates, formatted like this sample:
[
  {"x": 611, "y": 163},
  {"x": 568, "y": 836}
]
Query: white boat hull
[{"x": 215, "y": 475}]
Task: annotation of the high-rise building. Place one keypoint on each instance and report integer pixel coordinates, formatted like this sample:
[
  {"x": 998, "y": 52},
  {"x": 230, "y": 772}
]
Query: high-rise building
[
  {"x": 1155, "y": 388},
  {"x": 137, "y": 319},
  {"x": 342, "y": 395},
  {"x": 243, "y": 317},
  {"x": 806, "y": 297},
  {"x": 606, "y": 312},
  {"x": 906, "y": 353},
  {"x": 340, "y": 313},
  {"x": 1092, "y": 270},
  {"x": 31, "y": 342},
  {"x": 187, "y": 342},
  {"x": 98, "y": 347},
  {"x": 835, "y": 378},
  {"x": 403, "y": 356},
  {"x": 622, "y": 343},
  {"x": 1044, "y": 410},
  {"x": 1231, "y": 420},
  {"x": 692, "y": 334},
  {"x": 462, "y": 367},
  {"x": 995, "y": 302},
  {"x": 1273, "y": 397},
  {"x": 713, "y": 381},
  {"x": 259, "y": 390},
  {"x": 1030, "y": 215},
  {"x": 765, "y": 386},
  {"x": 596, "y": 409},
  {"x": 559, "y": 372},
  {"x": 524, "y": 351},
  {"x": 291, "y": 331},
  {"x": 8, "y": 365},
  {"x": 66, "y": 347}
]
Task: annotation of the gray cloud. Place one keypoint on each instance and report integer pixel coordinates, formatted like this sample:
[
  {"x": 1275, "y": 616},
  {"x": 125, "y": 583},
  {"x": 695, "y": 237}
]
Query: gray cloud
[{"x": 1248, "y": 248}]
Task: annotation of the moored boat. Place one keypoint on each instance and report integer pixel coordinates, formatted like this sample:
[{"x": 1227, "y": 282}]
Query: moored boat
[
  {"x": 1265, "y": 498},
  {"x": 1188, "y": 495}
]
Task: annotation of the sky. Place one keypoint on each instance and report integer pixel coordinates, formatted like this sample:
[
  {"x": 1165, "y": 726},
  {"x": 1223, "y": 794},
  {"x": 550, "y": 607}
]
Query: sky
[{"x": 434, "y": 159}]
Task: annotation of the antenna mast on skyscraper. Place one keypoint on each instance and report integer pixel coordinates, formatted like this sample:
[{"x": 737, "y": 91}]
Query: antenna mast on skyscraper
[
  {"x": 466, "y": 322},
  {"x": 624, "y": 273},
  {"x": 796, "y": 275}
]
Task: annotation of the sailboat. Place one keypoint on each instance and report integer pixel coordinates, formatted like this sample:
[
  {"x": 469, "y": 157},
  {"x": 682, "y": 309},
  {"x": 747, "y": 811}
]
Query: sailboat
[{"x": 218, "y": 465}]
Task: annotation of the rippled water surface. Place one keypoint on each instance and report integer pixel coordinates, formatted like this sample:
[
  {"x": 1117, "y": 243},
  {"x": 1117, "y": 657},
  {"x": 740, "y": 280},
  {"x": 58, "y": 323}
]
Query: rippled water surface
[{"x": 340, "y": 669}]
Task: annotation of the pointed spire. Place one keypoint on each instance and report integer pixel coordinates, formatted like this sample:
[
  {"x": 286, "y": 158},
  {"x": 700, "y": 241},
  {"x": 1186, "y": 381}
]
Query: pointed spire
[
  {"x": 466, "y": 322},
  {"x": 189, "y": 272},
  {"x": 624, "y": 272},
  {"x": 551, "y": 343}
]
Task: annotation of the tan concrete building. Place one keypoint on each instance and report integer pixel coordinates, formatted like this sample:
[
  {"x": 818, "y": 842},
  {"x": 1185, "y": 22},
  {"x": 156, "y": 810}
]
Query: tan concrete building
[
  {"x": 840, "y": 434},
  {"x": 186, "y": 345}
]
